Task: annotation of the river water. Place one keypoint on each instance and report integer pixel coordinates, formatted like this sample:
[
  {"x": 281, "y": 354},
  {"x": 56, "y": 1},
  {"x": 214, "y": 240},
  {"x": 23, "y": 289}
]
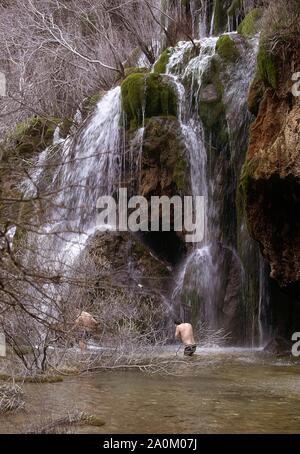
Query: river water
[{"x": 217, "y": 391}]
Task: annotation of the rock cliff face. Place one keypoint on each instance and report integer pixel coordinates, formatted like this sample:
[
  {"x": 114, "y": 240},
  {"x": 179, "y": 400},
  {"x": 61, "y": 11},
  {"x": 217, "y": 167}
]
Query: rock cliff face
[
  {"x": 156, "y": 161},
  {"x": 271, "y": 181},
  {"x": 272, "y": 177},
  {"x": 164, "y": 164},
  {"x": 134, "y": 266},
  {"x": 129, "y": 278}
]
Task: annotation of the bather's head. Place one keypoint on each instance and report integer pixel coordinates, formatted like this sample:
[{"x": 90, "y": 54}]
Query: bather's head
[{"x": 177, "y": 321}]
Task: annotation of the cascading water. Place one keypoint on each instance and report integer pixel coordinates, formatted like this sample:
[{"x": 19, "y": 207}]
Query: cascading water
[
  {"x": 190, "y": 77},
  {"x": 213, "y": 276},
  {"x": 86, "y": 166}
]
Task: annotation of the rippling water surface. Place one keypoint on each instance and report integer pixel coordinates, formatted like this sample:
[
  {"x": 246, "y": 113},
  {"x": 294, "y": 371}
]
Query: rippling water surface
[{"x": 217, "y": 391}]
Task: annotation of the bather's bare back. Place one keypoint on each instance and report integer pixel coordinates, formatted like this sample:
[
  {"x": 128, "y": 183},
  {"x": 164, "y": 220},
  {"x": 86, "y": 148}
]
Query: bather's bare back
[
  {"x": 184, "y": 332},
  {"x": 86, "y": 320}
]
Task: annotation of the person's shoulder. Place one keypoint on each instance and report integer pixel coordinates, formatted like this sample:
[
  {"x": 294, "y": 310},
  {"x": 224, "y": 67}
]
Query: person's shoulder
[{"x": 187, "y": 325}]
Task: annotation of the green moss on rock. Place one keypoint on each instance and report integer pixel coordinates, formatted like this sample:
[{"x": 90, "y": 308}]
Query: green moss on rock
[
  {"x": 133, "y": 98},
  {"x": 161, "y": 64},
  {"x": 161, "y": 99},
  {"x": 220, "y": 17},
  {"x": 255, "y": 95},
  {"x": 227, "y": 49},
  {"x": 164, "y": 163},
  {"x": 250, "y": 25},
  {"x": 266, "y": 67},
  {"x": 64, "y": 127},
  {"x": 149, "y": 94},
  {"x": 234, "y": 7},
  {"x": 89, "y": 104},
  {"x": 135, "y": 70},
  {"x": 33, "y": 135}
]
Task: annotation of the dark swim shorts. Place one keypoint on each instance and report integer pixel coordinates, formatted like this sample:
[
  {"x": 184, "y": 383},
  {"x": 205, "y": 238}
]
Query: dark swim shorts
[
  {"x": 84, "y": 335},
  {"x": 190, "y": 350}
]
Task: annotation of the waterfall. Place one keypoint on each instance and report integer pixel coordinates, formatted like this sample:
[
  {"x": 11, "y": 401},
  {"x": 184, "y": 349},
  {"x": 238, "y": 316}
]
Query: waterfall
[
  {"x": 80, "y": 168},
  {"x": 191, "y": 127},
  {"x": 212, "y": 286},
  {"x": 200, "y": 289},
  {"x": 203, "y": 15},
  {"x": 200, "y": 259}
]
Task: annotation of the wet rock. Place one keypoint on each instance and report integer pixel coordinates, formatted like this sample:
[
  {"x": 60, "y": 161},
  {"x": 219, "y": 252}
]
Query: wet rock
[
  {"x": 146, "y": 96},
  {"x": 131, "y": 261},
  {"x": 164, "y": 169},
  {"x": 209, "y": 94},
  {"x": 251, "y": 23},
  {"x": 227, "y": 49},
  {"x": 278, "y": 346},
  {"x": 271, "y": 174},
  {"x": 212, "y": 110},
  {"x": 32, "y": 136},
  {"x": 272, "y": 186},
  {"x": 255, "y": 95}
]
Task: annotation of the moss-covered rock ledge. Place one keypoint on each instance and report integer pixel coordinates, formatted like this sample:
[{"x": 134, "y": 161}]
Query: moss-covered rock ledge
[
  {"x": 145, "y": 96},
  {"x": 164, "y": 161},
  {"x": 33, "y": 135},
  {"x": 227, "y": 49},
  {"x": 251, "y": 23}
]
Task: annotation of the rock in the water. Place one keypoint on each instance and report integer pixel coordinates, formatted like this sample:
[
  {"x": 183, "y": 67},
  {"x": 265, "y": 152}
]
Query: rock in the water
[{"x": 278, "y": 346}]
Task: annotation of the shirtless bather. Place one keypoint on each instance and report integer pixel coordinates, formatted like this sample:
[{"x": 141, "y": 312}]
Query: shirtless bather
[
  {"x": 85, "y": 324},
  {"x": 184, "y": 332}
]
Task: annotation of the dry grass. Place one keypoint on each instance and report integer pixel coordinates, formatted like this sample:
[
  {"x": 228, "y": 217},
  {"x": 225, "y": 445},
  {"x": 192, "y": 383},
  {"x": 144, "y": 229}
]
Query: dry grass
[
  {"x": 11, "y": 398},
  {"x": 66, "y": 424},
  {"x": 281, "y": 25}
]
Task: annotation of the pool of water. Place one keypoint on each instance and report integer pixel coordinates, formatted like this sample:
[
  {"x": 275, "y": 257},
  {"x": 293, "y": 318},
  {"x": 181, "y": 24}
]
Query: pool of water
[{"x": 217, "y": 391}]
